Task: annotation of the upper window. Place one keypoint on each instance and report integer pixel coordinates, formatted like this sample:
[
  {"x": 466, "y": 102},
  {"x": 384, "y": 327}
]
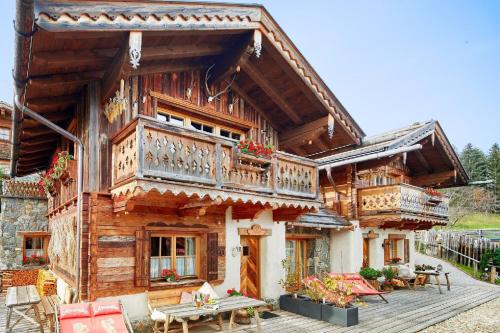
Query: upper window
[
  {"x": 230, "y": 135},
  {"x": 174, "y": 252},
  {"x": 4, "y": 134},
  {"x": 202, "y": 127},
  {"x": 170, "y": 119}
]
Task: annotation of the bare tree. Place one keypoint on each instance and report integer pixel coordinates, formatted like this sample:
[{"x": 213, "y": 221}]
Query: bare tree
[{"x": 469, "y": 200}]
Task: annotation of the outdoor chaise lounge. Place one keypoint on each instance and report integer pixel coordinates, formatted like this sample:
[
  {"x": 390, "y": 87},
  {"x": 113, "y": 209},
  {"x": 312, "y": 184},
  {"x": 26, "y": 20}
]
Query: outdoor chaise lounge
[
  {"x": 99, "y": 317},
  {"x": 361, "y": 287}
]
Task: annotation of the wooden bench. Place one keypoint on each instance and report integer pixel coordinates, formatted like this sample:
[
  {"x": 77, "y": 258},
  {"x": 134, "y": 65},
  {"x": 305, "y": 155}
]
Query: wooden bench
[{"x": 48, "y": 306}]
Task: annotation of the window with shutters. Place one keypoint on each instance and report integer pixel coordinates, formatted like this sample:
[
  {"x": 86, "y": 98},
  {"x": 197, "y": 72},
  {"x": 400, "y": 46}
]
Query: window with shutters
[{"x": 179, "y": 252}]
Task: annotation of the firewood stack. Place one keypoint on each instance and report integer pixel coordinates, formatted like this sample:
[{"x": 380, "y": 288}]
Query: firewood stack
[
  {"x": 14, "y": 278},
  {"x": 46, "y": 283}
]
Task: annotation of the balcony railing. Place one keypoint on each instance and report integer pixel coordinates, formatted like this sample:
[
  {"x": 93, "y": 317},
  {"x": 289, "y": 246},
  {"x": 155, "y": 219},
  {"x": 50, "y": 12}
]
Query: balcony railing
[
  {"x": 65, "y": 191},
  {"x": 148, "y": 148},
  {"x": 21, "y": 189},
  {"x": 401, "y": 198}
]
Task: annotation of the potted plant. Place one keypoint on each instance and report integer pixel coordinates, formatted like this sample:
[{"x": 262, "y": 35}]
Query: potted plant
[
  {"x": 256, "y": 149},
  {"x": 389, "y": 274},
  {"x": 315, "y": 292},
  {"x": 292, "y": 285},
  {"x": 395, "y": 260},
  {"x": 34, "y": 260},
  {"x": 50, "y": 180},
  {"x": 371, "y": 275},
  {"x": 242, "y": 316},
  {"x": 339, "y": 309},
  {"x": 170, "y": 275}
]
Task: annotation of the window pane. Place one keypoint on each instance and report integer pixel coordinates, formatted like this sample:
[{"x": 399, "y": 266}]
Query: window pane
[
  {"x": 225, "y": 133},
  {"x": 176, "y": 120},
  {"x": 166, "y": 246},
  {"x": 208, "y": 129},
  {"x": 4, "y": 134},
  {"x": 185, "y": 252},
  {"x": 28, "y": 243},
  {"x": 236, "y": 136},
  {"x": 155, "y": 246},
  {"x": 291, "y": 254},
  {"x": 196, "y": 126},
  {"x": 162, "y": 117}
]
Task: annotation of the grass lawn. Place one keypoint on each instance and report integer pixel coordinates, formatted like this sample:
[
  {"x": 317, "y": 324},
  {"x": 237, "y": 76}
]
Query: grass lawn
[{"x": 478, "y": 221}]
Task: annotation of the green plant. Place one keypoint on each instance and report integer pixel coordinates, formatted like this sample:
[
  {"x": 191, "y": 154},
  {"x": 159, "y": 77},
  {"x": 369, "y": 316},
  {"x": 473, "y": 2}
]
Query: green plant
[
  {"x": 291, "y": 283},
  {"x": 339, "y": 291},
  {"x": 389, "y": 273},
  {"x": 424, "y": 267},
  {"x": 487, "y": 256},
  {"x": 370, "y": 273},
  {"x": 314, "y": 289}
]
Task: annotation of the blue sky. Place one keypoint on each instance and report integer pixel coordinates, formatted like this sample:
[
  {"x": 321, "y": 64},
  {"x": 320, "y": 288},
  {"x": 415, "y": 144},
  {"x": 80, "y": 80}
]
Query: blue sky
[{"x": 390, "y": 63}]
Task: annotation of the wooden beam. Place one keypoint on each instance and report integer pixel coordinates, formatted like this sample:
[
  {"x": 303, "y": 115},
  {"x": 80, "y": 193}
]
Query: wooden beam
[
  {"x": 168, "y": 67},
  {"x": 270, "y": 90},
  {"x": 433, "y": 179},
  {"x": 423, "y": 161},
  {"x": 115, "y": 72},
  {"x": 229, "y": 63},
  {"x": 78, "y": 78},
  {"x": 53, "y": 117},
  {"x": 73, "y": 57},
  {"x": 182, "y": 51},
  {"x": 253, "y": 104},
  {"x": 47, "y": 104},
  {"x": 304, "y": 129},
  {"x": 304, "y": 138}
]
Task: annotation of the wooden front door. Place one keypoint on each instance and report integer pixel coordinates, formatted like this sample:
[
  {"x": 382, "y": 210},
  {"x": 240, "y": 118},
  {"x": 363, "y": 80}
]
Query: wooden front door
[
  {"x": 249, "y": 271},
  {"x": 366, "y": 252}
]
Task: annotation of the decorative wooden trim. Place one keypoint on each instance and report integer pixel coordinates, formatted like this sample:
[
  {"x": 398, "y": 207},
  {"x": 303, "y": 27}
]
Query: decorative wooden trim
[
  {"x": 371, "y": 235},
  {"x": 397, "y": 236},
  {"x": 202, "y": 111},
  {"x": 254, "y": 230},
  {"x": 301, "y": 236}
]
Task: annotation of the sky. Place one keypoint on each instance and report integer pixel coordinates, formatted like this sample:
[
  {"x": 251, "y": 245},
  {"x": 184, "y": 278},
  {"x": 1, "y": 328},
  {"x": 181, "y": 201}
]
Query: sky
[{"x": 390, "y": 63}]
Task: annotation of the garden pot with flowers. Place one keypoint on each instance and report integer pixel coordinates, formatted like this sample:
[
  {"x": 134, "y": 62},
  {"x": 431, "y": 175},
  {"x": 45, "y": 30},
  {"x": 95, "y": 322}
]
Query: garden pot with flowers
[
  {"x": 33, "y": 260},
  {"x": 254, "y": 150},
  {"x": 59, "y": 172},
  {"x": 339, "y": 307},
  {"x": 170, "y": 275},
  {"x": 242, "y": 316},
  {"x": 389, "y": 274}
]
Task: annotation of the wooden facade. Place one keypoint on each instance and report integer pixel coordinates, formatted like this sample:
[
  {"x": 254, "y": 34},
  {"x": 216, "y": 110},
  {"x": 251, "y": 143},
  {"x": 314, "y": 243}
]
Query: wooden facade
[
  {"x": 160, "y": 111},
  {"x": 5, "y": 136}
]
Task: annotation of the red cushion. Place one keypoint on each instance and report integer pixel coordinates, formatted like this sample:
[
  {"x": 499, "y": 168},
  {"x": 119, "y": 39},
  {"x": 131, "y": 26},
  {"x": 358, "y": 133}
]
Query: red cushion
[
  {"x": 109, "y": 323},
  {"x": 105, "y": 308},
  {"x": 79, "y": 310},
  {"x": 76, "y": 325}
]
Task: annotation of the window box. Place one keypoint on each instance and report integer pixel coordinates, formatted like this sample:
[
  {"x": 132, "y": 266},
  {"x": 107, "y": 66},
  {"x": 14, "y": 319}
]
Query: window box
[
  {"x": 159, "y": 285},
  {"x": 301, "y": 305},
  {"x": 339, "y": 316}
]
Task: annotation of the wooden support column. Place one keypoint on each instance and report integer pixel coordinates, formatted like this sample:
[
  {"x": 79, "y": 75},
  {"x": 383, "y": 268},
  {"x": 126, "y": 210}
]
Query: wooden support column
[{"x": 93, "y": 148}]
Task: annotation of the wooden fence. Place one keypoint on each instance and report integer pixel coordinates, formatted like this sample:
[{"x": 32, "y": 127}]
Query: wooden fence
[{"x": 462, "y": 247}]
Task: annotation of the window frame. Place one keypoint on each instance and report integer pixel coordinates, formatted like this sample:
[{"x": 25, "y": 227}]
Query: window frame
[
  {"x": 173, "y": 236},
  {"x": 8, "y": 132},
  {"x": 300, "y": 248},
  {"x": 44, "y": 236}
]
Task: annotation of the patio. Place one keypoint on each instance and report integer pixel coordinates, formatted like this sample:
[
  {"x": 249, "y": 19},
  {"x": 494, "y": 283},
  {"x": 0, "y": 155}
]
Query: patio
[{"x": 407, "y": 311}]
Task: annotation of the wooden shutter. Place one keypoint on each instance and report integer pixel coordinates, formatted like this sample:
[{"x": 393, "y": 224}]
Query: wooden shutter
[
  {"x": 142, "y": 255},
  {"x": 407, "y": 251},
  {"x": 387, "y": 251},
  {"x": 212, "y": 256}
]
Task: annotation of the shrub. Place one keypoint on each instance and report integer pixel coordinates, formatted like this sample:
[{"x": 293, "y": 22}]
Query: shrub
[
  {"x": 370, "y": 273},
  {"x": 389, "y": 273},
  {"x": 339, "y": 291}
]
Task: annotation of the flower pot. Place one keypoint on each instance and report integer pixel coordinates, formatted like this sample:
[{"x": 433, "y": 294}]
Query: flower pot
[
  {"x": 339, "y": 316},
  {"x": 388, "y": 287},
  {"x": 374, "y": 283},
  {"x": 289, "y": 303},
  {"x": 242, "y": 317},
  {"x": 309, "y": 309}
]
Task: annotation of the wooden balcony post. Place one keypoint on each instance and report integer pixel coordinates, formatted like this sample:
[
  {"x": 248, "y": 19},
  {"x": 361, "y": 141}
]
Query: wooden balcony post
[
  {"x": 140, "y": 149},
  {"x": 274, "y": 175},
  {"x": 218, "y": 165}
]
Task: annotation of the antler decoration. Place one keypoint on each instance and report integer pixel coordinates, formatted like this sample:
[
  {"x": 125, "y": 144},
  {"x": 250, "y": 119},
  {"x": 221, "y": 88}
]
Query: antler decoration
[{"x": 214, "y": 95}]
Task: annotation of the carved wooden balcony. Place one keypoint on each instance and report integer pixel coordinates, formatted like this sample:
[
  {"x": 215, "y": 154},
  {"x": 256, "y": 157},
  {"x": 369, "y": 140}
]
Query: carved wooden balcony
[
  {"x": 399, "y": 203},
  {"x": 148, "y": 149}
]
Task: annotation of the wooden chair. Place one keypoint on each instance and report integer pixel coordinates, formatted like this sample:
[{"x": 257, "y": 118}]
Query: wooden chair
[{"x": 48, "y": 306}]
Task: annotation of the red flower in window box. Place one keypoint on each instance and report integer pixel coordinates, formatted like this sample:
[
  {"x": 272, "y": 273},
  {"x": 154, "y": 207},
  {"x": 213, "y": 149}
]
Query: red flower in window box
[
  {"x": 255, "y": 149},
  {"x": 170, "y": 275}
]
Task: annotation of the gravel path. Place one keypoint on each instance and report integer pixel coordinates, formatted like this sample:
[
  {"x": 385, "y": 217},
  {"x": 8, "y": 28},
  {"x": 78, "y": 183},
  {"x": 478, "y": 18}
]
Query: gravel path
[
  {"x": 457, "y": 277},
  {"x": 482, "y": 319}
]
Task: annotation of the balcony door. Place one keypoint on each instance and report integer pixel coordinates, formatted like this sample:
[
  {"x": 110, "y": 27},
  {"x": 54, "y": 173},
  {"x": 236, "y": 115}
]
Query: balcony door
[
  {"x": 249, "y": 270},
  {"x": 366, "y": 252}
]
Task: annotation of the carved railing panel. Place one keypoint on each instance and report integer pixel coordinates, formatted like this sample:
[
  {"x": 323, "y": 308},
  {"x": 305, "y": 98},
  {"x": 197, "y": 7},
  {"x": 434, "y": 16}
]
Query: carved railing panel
[
  {"x": 125, "y": 158},
  {"x": 21, "y": 189},
  {"x": 151, "y": 149},
  {"x": 400, "y": 198},
  {"x": 177, "y": 156},
  {"x": 295, "y": 177}
]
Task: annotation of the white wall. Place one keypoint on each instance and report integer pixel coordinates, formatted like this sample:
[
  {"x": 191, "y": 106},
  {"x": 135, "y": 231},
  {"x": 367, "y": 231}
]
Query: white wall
[
  {"x": 271, "y": 252},
  {"x": 346, "y": 250},
  {"x": 377, "y": 251}
]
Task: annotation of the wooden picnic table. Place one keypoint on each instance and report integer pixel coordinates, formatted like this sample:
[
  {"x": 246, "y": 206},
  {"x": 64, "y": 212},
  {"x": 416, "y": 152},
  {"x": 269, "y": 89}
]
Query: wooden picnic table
[
  {"x": 436, "y": 275},
  {"x": 23, "y": 298},
  {"x": 182, "y": 312}
]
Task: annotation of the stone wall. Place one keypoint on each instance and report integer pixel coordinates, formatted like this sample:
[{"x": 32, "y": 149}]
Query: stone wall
[{"x": 19, "y": 214}]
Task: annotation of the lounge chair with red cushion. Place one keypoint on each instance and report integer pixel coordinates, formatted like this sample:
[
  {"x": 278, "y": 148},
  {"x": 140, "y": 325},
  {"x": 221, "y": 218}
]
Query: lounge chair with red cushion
[
  {"x": 98, "y": 317},
  {"x": 361, "y": 287}
]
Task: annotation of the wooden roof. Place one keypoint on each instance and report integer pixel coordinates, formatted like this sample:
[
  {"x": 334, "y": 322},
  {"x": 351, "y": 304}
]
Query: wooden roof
[
  {"x": 76, "y": 42},
  {"x": 435, "y": 164}
]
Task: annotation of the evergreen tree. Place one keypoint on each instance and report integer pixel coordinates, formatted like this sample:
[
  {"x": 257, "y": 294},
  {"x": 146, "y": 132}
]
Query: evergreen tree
[
  {"x": 494, "y": 166},
  {"x": 475, "y": 163}
]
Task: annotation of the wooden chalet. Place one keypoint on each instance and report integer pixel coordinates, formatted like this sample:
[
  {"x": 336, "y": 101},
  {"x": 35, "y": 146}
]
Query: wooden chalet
[
  {"x": 160, "y": 93},
  {"x": 5, "y": 136},
  {"x": 388, "y": 185}
]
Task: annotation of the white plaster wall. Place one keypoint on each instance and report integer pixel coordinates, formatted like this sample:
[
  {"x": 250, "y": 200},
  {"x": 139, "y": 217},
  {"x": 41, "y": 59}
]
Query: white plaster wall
[
  {"x": 346, "y": 250},
  {"x": 272, "y": 251},
  {"x": 377, "y": 251}
]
